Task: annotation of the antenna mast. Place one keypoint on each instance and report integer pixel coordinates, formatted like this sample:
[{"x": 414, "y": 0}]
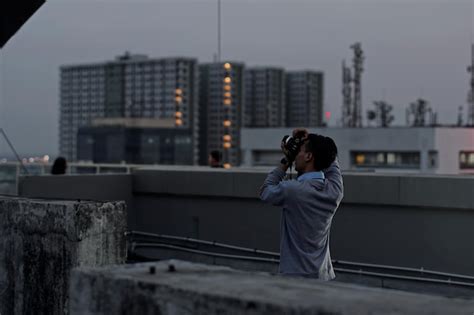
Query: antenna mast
[
  {"x": 352, "y": 94},
  {"x": 346, "y": 95},
  {"x": 357, "y": 61},
  {"x": 470, "y": 97},
  {"x": 218, "y": 30}
]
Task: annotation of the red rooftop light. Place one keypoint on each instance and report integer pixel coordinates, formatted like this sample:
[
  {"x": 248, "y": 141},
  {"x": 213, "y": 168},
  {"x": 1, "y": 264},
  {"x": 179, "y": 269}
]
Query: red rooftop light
[{"x": 328, "y": 115}]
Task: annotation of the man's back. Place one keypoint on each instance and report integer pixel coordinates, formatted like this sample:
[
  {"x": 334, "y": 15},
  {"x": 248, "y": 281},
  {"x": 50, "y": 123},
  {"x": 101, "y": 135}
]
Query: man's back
[{"x": 308, "y": 208}]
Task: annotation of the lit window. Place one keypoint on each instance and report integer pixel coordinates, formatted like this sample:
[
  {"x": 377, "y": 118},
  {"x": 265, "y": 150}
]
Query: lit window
[
  {"x": 227, "y": 137},
  {"x": 360, "y": 158},
  {"x": 227, "y": 87},
  {"x": 227, "y": 123},
  {"x": 227, "y": 80},
  {"x": 227, "y": 165},
  {"x": 372, "y": 159},
  {"x": 380, "y": 158},
  {"x": 466, "y": 159},
  {"x": 227, "y": 145},
  {"x": 227, "y": 102},
  {"x": 390, "y": 158},
  {"x": 227, "y": 66}
]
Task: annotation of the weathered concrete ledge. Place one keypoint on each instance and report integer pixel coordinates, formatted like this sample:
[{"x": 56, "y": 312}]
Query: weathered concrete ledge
[
  {"x": 418, "y": 190},
  {"x": 42, "y": 240},
  {"x": 441, "y": 191},
  {"x": 178, "y": 287}
]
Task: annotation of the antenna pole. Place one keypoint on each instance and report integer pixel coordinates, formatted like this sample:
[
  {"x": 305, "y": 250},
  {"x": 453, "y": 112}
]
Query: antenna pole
[{"x": 218, "y": 30}]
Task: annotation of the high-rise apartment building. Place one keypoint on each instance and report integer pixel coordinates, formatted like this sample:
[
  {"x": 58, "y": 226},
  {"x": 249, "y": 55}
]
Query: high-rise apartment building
[
  {"x": 265, "y": 104},
  {"x": 305, "y": 97},
  {"x": 131, "y": 86},
  {"x": 221, "y": 105},
  {"x": 82, "y": 98}
]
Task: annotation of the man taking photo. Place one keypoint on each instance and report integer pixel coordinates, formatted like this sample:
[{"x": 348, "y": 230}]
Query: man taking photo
[{"x": 309, "y": 203}]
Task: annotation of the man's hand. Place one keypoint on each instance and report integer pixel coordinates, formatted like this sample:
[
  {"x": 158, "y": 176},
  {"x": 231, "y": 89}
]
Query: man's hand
[
  {"x": 284, "y": 150},
  {"x": 284, "y": 166},
  {"x": 300, "y": 130}
]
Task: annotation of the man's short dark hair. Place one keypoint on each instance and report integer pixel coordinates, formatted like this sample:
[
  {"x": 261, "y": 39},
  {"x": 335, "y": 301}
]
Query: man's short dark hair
[
  {"x": 216, "y": 155},
  {"x": 323, "y": 148}
]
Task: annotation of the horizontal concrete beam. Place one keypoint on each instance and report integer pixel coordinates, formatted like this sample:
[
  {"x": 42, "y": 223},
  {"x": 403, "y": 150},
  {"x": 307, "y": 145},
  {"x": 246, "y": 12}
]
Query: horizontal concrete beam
[
  {"x": 439, "y": 191},
  {"x": 73, "y": 187},
  {"x": 178, "y": 287},
  {"x": 454, "y": 192}
]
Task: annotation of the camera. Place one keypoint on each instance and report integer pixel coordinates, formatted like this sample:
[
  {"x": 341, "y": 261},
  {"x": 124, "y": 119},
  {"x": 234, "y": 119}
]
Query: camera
[{"x": 292, "y": 145}]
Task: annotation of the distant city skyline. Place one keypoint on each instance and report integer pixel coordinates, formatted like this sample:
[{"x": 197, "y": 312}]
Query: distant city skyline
[{"x": 413, "y": 49}]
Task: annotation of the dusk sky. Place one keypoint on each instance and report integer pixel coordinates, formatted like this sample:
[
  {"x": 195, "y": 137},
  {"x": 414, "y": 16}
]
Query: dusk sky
[{"x": 416, "y": 48}]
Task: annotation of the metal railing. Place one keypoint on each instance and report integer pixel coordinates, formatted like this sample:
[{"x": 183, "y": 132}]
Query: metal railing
[{"x": 143, "y": 240}]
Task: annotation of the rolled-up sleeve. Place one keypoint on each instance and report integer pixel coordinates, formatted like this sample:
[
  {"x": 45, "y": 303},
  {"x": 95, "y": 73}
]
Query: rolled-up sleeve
[{"x": 334, "y": 178}]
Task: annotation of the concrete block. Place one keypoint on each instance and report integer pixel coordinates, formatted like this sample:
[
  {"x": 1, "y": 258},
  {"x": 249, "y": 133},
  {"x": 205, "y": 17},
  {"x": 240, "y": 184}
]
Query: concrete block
[
  {"x": 90, "y": 187},
  {"x": 247, "y": 184},
  {"x": 373, "y": 189},
  {"x": 42, "y": 240},
  {"x": 219, "y": 182},
  {"x": 178, "y": 287},
  {"x": 442, "y": 191}
]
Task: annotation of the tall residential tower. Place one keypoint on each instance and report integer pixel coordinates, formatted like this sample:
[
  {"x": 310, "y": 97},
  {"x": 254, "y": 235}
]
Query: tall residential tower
[
  {"x": 221, "y": 105},
  {"x": 304, "y": 98},
  {"x": 265, "y": 104},
  {"x": 131, "y": 86}
]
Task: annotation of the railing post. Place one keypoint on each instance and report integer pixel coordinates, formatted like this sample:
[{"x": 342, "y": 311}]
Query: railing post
[{"x": 17, "y": 177}]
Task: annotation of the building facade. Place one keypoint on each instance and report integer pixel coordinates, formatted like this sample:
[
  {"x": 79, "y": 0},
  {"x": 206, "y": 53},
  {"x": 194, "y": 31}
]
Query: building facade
[
  {"x": 439, "y": 150},
  {"x": 221, "y": 105},
  {"x": 135, "y": 141},
  {"x": 305, "y": 98},
  {"x": 265, "y": 92},
  {"x": 131, "y": 86}
]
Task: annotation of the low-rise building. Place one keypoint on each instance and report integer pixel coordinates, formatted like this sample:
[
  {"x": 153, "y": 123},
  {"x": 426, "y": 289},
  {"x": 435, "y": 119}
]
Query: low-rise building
[
  {"x": 439, "y": 150},
  {"x": 135, "y": 141}
]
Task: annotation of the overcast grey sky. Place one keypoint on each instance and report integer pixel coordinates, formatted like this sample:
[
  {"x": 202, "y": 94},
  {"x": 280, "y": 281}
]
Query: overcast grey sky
[{"x": 413, "y": 48}]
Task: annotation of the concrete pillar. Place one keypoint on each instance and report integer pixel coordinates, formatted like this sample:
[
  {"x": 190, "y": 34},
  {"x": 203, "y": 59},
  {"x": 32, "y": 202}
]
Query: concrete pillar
[
  {"x": 178, "y": 287},
  {"x": 42, "y": 240},
  {"x": 247, "y": 158}
]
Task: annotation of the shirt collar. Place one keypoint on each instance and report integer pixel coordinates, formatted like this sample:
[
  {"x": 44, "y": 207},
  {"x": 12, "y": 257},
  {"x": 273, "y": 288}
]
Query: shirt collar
[{"x": 311, "y": 175}]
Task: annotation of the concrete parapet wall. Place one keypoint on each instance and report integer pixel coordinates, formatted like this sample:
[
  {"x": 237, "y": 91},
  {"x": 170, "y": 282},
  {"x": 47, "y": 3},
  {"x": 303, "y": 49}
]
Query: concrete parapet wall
[
  {"x": 418, "y": 221},
  {"x": 187, "y": 288},
  {"x": 442, "y": 191},
  {"x": 42, "y": 240},
  {"x": 408, "y": 220},
  {"x": 90, "y": 187}
]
